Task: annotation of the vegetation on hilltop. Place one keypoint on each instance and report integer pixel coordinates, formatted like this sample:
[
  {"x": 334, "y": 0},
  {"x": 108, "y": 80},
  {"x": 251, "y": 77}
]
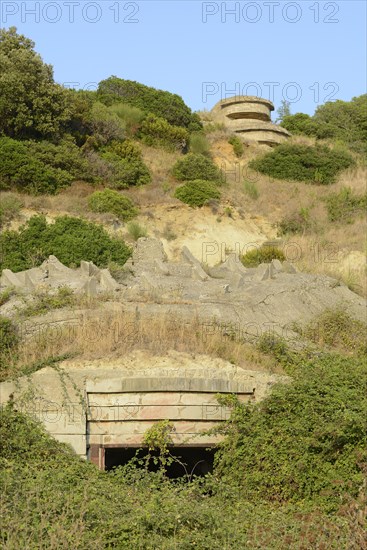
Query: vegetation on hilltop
[{"x": 344, "y": 121}]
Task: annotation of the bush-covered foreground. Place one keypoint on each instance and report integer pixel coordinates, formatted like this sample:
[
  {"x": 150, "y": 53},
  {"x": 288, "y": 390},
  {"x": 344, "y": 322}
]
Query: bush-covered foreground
[
  {"x": 69, "y": 239},
  {"x": 319, "y": 164},
  {"x": 289, "y": 475}
]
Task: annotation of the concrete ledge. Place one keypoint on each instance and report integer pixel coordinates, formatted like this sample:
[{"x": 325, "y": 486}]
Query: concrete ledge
[{"x": 215, "y": 385}]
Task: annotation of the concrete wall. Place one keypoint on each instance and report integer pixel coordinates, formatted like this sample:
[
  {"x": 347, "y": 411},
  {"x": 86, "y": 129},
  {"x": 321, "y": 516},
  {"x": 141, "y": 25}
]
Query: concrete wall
[{"x": 92, "y": 407}]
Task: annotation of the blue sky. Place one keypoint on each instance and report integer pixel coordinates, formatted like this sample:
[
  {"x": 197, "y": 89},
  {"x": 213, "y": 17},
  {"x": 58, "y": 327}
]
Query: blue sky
[{"x": 305, "y": 51}]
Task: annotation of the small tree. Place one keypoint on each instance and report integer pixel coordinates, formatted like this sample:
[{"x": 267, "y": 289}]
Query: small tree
[{"x": 284, "y": 110}]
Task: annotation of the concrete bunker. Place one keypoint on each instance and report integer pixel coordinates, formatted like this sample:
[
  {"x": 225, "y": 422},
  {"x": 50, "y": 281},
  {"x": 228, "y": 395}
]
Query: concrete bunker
[
  {"x": 103, "y": 410},
  {"x": 250, "y": 118}
]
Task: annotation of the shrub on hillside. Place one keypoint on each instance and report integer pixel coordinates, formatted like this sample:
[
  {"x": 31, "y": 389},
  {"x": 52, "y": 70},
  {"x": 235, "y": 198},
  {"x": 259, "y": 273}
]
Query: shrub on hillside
[
  {"x": 10, "y": 206},
  {"x": 9, "y": 339},
  {"x": 40, "y": 167},
  {"x": 297, "y": 222},
  {"x": 237, "y": 144},
  {"x": 199, "y": 144},
  {"x": 303, "y": 163},
  {"x": 306, "y": 441},
  {"x": 124, "y": 164},
  {"x": 196, "y": 167},
  {"x": 130, "y": 116},
  {"x": 343, "y": 206},
  {"x": 157, "y": 132},
  {"x": 69, "y": 239},
  {"x": 105, "y": 124},
  {"x": 197, "y": 192},
  {"x": 261, "y": 255},
  {"x": 345, "y": 121},
  {"x": 113, "y": 202}
]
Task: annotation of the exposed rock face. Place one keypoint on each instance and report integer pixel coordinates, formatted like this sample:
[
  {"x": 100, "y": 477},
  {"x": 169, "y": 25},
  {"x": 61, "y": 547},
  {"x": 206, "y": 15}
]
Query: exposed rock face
[{"x": 249, "y": 117}]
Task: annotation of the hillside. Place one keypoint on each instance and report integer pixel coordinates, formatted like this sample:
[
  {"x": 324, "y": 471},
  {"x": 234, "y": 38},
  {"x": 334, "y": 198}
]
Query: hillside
[{"x": 141, "y": 237}]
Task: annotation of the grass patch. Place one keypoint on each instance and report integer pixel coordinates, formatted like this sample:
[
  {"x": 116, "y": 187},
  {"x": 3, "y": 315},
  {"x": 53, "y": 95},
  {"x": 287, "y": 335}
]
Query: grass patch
[
  {"x": 251, "y": 189},
  {"x": 136, "y": 231},
  {"x": 263, "y": 254}
]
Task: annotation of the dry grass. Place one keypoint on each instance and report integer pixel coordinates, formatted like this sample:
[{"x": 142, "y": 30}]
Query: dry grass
[{"x": 114, "y": 335}]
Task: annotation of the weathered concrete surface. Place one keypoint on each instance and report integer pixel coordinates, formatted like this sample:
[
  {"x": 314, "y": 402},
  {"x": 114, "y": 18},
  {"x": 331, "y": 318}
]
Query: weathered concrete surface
[
  {"x": 52, "y": 274},
  {"x": 104, "y": 403},
  {"x": 249, "y": 117},
  {"x": 270, "y": 297}
]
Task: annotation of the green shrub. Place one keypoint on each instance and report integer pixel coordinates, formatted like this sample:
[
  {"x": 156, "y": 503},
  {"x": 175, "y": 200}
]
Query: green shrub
[
  {"x": 264, "y": 254},
  {"x": 306, "y": 441},
  {"x": 10, "y": 206},
  {"x": 9, "y": 340},
  {"x": 303, "y": 163},
  {"x": 251, "y": 189},
  {"x": 43, "y": 302},
  {"x": 237, "y": 144},
  {"x": 125, "y": 165},
  {"x": 40, "y": 167},
  {"x": 105, "y": 124},
  {"x": 160, "y": 103},
  {"x": 113, "y": 202},
  {"x": 345, "y": 121},
  {"x": 199, "y": 144},
  {"x": 69, "y": 239},
  {"x": 343, "y": 206},
  {"x": 127, "y": 149},
  {"x": 337, "y": 329},
  {"x": 136, "y": 231},
  {"x": 196, "y": 167},
  {"x": 157, "y": 132},
  {"x": 131, "y": 117},
  {"x": 197, "y": 192}
]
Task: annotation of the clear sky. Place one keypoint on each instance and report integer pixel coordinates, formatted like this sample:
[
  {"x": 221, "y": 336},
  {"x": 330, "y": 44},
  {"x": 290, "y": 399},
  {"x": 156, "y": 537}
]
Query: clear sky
[{"x": 306, "y": 51}]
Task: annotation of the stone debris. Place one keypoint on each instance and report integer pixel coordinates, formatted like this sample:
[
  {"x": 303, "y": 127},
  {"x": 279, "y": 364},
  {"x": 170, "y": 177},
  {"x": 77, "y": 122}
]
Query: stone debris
[{"x": 272, "y": 293}]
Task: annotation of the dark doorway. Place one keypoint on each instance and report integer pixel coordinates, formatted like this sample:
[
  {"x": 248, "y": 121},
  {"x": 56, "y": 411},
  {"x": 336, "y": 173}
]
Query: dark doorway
[{"x": 191, "y": 461}]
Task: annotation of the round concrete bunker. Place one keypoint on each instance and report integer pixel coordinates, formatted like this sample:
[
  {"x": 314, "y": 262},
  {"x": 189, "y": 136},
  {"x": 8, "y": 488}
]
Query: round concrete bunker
[{"x": 250, "y": 118}]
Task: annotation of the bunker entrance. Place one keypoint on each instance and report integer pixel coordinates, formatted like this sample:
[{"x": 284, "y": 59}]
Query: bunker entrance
[{"x": 192, "y": 461}]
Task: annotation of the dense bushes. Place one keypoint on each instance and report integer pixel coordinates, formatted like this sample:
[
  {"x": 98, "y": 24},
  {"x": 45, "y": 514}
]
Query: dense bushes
[
  {"x": 343, "y": 206},
  {"x": 158, "y": 102},
  {"x": 345, "y": 121},
  {"x": 306, "y": 441},
  {"x": 9, "y": 339},
  {"x": 112, "y": 202},
  {"x": 303, "y": 163},
  {"x": 32, "y": 105},
  {"x": 40, "y": 167},
  {"x": 69, "y": 239},
  {"x": 127, "y": 165},
  {"x": 196, "y": 167},
  {"x": 158, "y": 132},
  {"x": 283, "y": 467},
  {"x": 197, "y": 192},
  {"x": 263, "y": 254}
]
